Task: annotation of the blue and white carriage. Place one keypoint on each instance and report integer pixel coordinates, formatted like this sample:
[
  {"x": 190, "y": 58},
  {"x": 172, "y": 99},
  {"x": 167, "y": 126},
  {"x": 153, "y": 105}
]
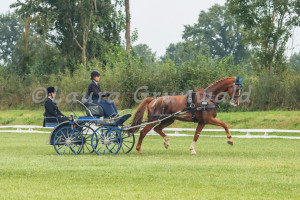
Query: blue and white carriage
[{"x": 89, "y": 132}]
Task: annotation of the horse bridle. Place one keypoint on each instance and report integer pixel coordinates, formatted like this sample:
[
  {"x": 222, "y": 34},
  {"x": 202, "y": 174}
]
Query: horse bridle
[{"x": 234, "y": 91}]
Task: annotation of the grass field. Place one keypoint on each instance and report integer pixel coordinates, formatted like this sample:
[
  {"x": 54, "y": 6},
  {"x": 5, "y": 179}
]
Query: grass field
[
  {"x": 250, "y": 120},
  {"x": 251, "y": 169}
]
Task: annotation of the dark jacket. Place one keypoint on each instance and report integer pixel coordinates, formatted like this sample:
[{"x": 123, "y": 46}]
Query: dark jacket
[
  {"x": 51, "y": 109},
  {"x": 95, "y": 90}
]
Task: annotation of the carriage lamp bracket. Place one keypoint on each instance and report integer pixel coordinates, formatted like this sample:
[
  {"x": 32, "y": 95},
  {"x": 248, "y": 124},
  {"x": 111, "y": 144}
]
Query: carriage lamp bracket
[{"x": 72, "y": 117}]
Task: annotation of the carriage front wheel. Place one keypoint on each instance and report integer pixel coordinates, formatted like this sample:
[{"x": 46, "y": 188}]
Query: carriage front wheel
[
  {"x": 106, "y": 140},
  {"x": 128, "y": 141}
]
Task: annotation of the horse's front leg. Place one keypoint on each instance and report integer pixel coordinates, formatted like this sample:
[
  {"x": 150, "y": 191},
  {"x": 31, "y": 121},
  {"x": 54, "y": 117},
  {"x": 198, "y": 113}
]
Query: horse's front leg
[
  {"x": 197, "y": 133},
  {"x": 216, "y": 122}
]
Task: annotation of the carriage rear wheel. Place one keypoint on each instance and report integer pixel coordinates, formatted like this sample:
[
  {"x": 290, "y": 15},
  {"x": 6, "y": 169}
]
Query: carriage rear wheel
[
  {"x": 87, "y": 133},
  {"x": 68, "y": 140},
  {"x": 106, "y": 140}
]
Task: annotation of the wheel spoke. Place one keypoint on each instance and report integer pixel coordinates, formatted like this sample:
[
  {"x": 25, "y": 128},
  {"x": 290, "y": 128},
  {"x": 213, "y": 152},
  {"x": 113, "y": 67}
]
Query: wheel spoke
[
  {"x": 77, "y": 146},
  {"x": 87, "y": 147},
  {"x": 114, "y": 148},
  {"x": 100, "y": 148},
  {"x": 65, "y": 150},
  {"x": 127, "y": 141},
  {"x": 73, "y": 149},
  {"x": 63, "y": 134},
  {"x": 126, "y": 145},
  {"x": 60, "y": 147}
]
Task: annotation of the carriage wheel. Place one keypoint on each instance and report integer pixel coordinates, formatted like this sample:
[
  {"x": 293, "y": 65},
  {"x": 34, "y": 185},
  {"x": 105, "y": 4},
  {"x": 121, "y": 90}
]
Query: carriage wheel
[
  {"x": 128, "y": 141},
  {"x": 106, "y": 140},
  {"x": 87, "y": 133},
  {"x": 68, "y": 140}
]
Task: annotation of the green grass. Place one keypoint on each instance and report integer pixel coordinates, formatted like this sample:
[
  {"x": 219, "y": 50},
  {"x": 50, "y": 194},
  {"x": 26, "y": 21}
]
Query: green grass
[
  {"x": 247, "y": 120},
  {"x": 251, "y": 169}
]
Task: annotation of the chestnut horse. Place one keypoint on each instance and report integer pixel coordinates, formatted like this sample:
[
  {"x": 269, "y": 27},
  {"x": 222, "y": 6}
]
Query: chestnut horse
[{"x": 166, "y": 105}]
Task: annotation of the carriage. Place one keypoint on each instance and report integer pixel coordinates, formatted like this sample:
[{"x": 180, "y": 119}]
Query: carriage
[{"x": 87, "y": 131}]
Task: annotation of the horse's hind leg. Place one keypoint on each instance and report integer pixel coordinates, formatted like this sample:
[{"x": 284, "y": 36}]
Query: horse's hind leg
[
  {"x": 143, "y": 133},
  {"x": 197, "y": 133},
  {"x": 216, "y": 122},
  {"x": 159, "y": 129}
]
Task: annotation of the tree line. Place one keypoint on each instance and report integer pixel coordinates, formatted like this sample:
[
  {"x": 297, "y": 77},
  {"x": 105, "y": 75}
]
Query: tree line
[{"x": 58, "y": 42}]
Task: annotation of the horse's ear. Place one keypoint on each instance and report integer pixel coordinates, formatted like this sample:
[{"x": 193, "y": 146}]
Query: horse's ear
[
  {"x": 242, "y": 79},
  {"x": 237, "y": 79}
]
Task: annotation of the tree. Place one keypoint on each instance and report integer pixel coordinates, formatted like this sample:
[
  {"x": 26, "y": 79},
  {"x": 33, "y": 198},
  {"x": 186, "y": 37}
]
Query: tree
[
  {"x": 181, "y": 52},
  {"x": 295, "y": 62},
  {"x": 144, "y": 52},
  {"x": 127, "y": 33},
  {"x": 86, "y": 11},
  {"x": 217, "y": 30},
  {"x": 79, "y": 28},
  {"x": 267, "y": 26},
  {"x": 11, "y": 29},
  {"x": 36, "y": 24}
]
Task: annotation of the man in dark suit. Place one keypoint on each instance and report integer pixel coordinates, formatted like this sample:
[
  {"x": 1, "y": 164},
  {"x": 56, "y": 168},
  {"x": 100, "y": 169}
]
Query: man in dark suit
[{"x": 51, "y": 109}]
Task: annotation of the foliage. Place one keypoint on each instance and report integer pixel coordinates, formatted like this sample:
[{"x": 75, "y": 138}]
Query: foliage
[
  {"x": 217, "y": 30},
  {"x": 181, "y": 52},
  {"x": 50, "y": 52},
  {"x": 11, "y": 29},
  {"x": 144, "y": 52},
  {"x": 267, "y": 27},
  {"x": 294, "y": 62},
  {"x": 79, "y": 29}
]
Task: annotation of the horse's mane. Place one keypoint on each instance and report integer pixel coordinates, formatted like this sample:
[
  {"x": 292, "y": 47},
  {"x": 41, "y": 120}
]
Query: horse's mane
[{"x": 219, "y": 81}]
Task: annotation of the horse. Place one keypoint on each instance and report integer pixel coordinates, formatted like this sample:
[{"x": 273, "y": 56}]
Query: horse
[{"x": 201, "y": 108}]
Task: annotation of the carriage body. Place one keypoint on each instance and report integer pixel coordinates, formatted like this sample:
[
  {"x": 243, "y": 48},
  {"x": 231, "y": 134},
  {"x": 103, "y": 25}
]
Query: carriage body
[{"x": 89, "y": 132}]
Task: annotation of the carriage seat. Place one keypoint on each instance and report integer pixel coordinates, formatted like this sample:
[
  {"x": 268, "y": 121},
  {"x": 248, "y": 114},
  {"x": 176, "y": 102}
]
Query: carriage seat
[
  {"x": 50, "y": 121},
  {"x": 94, "y": 110}
]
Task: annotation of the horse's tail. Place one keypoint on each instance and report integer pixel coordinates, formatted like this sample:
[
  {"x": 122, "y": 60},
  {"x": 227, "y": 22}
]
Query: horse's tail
[{"x": 139, "y": 114}]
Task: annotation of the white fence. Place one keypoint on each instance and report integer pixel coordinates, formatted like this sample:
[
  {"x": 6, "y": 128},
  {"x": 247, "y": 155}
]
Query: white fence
[{"x": 248, "y": 133}]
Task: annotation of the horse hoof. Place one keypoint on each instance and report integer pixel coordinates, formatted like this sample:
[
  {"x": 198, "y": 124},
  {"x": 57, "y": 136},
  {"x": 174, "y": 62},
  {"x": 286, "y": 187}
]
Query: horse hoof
[
  {"x": 230, "y": 143},
  {"x": 193, "y": 152},
  {"x": 166, "y": 145}
]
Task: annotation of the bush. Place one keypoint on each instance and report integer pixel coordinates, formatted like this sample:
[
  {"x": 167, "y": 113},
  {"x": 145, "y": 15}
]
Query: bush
[{"x": 126, "y": 73}]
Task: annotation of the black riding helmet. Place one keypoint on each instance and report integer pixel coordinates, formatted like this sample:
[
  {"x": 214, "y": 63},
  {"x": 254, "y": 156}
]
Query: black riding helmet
[
  {"x": 95, "y": 73},
  {"x": 51, "y": 90}
]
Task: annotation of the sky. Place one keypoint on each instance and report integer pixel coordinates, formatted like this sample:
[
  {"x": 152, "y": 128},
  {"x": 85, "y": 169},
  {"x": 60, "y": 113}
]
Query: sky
[{"x": 161, "y": 22}]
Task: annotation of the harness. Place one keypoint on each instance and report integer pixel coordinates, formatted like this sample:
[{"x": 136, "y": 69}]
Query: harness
[{"x": 191, "y": 106}]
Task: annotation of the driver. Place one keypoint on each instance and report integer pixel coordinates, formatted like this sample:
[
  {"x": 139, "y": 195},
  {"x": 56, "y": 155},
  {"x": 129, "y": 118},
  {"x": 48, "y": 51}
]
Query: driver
[
  {"x": 94, "y": 93},
  {"x": 51, "y": 109}
]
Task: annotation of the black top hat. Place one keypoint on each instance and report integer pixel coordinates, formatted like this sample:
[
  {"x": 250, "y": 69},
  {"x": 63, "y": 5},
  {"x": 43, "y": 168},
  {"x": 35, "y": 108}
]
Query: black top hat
[{"x": 50, "y": 90}]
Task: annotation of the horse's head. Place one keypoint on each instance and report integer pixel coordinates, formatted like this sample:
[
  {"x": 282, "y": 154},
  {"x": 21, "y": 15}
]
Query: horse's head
[{"x": 234, "y": 91}]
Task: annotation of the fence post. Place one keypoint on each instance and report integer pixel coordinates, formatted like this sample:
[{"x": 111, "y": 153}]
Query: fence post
[{"x": 266, "y": 134}]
